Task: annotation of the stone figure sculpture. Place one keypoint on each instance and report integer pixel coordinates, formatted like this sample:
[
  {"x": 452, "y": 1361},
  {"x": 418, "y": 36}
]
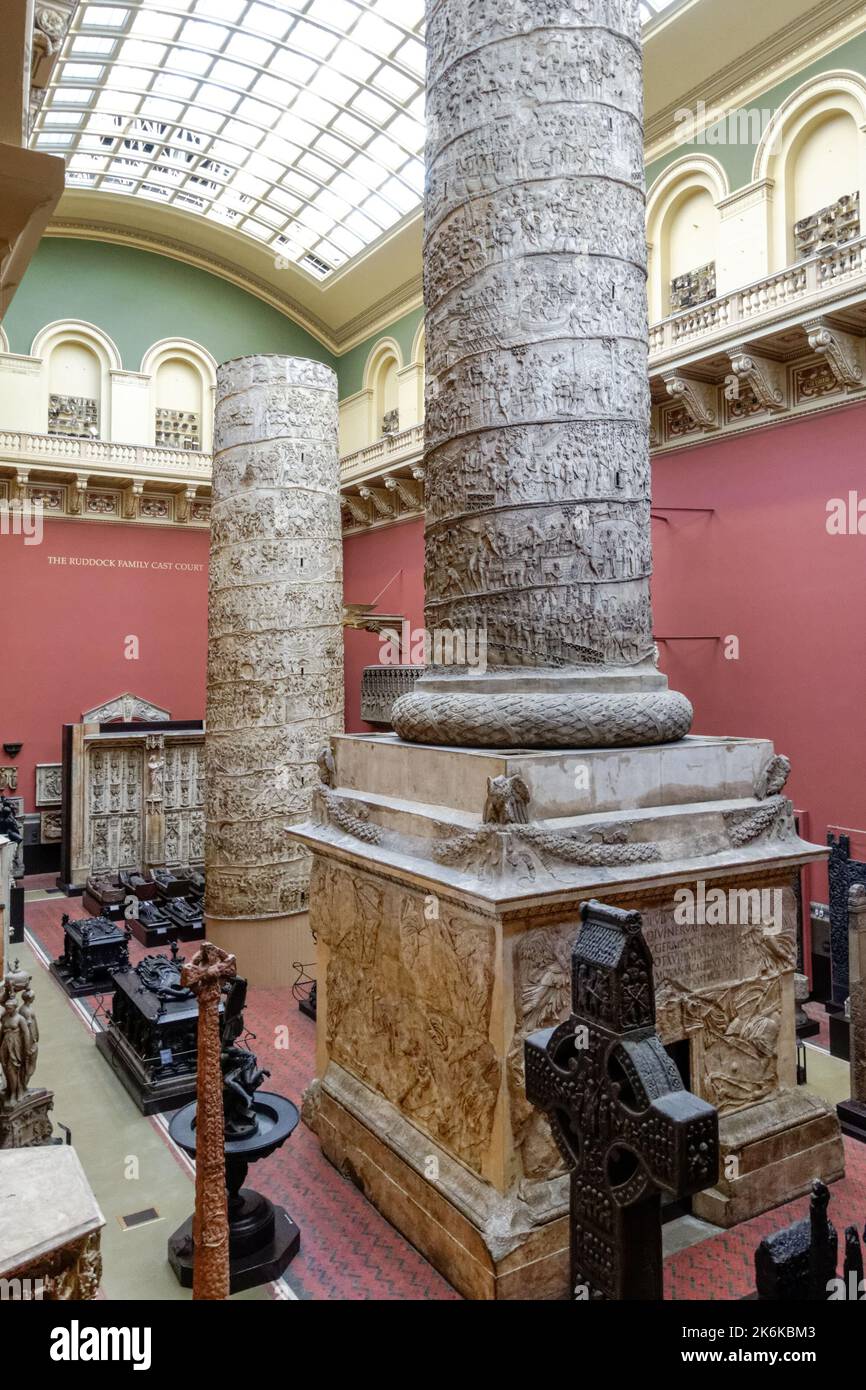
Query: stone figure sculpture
[
  {"x": 9, "y": 822},
  {"x": 507, "y": 801},
  {"x": 24, "y": 1117},
  {"x": 13, "y": 1050},
  {"x": 537, "y": 411}
]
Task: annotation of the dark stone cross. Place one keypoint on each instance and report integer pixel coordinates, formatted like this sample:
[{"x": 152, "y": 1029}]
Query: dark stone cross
[{"x": 620, "y": 1116}]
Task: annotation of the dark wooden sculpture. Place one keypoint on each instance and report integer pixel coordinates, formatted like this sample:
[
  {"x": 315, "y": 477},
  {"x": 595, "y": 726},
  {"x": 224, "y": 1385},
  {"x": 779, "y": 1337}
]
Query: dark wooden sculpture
[{"x": 620, "y": 1116}]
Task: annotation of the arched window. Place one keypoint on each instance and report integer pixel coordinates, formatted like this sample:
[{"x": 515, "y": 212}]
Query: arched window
[
  {"x": 182, "y": 381},
  {"x": 813, "y": 155},
  {"x": 78, "y": 360},
  {"x": 683, "y": 234}
]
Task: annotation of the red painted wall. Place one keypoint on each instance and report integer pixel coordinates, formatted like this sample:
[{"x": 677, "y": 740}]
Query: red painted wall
[
  {"x": 763, "y": 568},
  {"x": 69, "y": 604},
  {"x": 386, "y": 565}
]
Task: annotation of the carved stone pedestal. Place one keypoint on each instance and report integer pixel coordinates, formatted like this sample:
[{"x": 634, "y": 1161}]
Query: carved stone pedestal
[
  {"x": 445, "y": 927},
  {"x": 27, "y": 1121}
]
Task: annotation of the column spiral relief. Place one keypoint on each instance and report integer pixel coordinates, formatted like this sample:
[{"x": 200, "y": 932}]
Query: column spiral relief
[
  {"x": 537, "y": 412},
  {"x": 275, "y": 646}
]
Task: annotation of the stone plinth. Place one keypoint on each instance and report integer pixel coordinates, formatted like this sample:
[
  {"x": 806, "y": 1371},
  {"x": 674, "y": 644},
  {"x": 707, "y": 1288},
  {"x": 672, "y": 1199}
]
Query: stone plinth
[
  {"x": 445, "y": 893},
  {"x": 275, "y": 675},
  {"x": 537, "y": 478},
  {"x": 49, "y": 1225}
]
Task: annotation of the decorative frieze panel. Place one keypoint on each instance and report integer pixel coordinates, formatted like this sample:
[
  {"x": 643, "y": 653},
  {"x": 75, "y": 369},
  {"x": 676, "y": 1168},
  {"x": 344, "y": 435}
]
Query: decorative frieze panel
[
  {"x": 49, "y": 784},
  {"x": 177, "y": 429},
  {"x": 75, "y": 416},
  {"x": 125, "y": 708},
  {"x": 381, "y": 686},
  {"x": 828, "y": 229},
  {"x": 695, "y": 287}
]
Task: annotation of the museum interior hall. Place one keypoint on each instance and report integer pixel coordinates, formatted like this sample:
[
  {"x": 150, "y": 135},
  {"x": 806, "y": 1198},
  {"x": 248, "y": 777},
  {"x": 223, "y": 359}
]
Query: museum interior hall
[{"x": 433, "y": 548}]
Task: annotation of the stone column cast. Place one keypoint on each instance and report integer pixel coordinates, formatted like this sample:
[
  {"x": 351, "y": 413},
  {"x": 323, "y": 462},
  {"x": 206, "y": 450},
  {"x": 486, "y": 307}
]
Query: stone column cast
[
  {"x": 275, "y": 643},
  {"x": 537, "y": 412}
]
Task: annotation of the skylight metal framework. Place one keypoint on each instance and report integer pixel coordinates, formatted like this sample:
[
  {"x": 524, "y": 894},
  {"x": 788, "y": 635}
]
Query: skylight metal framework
[{"x": 299, "y": 123}]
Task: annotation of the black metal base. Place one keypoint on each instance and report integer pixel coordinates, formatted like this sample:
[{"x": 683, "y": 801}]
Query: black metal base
[
  {"x": 307, "y": 1005},
  {"x": 852, "y": 1119},
  {"x": 263, "y": 1241},
  {"x": 808, "y": 1029},
  {"x": 154, "y": 936},
  {"x": 840, "y": 1033},
  {"x": 152, "y": 1098},
  {"x": 72, "y": 890},
  {"x": 79, "y": 989}
]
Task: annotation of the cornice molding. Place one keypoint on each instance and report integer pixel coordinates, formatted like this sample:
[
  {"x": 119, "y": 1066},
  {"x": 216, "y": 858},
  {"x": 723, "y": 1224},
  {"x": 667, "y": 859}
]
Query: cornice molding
[{"x": 816, "y": 33}]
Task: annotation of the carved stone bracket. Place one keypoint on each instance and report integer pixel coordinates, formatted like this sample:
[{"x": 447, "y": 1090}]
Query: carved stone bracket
[
  {"x": 843, "y": 352},
  {"x": 698, "y": 397},
  {"x": 359, "y": 508},
  {"x": 767, "y": 379},
  {"x": 383, "y": 503},
  {"x": 130, "y": 500}
]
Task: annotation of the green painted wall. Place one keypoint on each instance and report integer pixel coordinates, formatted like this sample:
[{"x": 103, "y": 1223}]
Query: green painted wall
[
  {"x": 350, "y": 366},
  {"x": 737, "y": 159},
  {"x": 137, "y": 298}
]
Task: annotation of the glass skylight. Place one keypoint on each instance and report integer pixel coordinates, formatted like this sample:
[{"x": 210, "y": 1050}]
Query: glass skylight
[{"x": 299, "y": 123}]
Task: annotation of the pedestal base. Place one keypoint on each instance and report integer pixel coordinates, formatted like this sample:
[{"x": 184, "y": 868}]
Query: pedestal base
[
  {"x": 268, "y": 946},
  {"x": 27, "y": 1122},
  {"x": 852, "y": 1118},
  {"x": 151, "y": 1097},
  {"x": 445, "y": 929},
  {"x": 263, "y": 1241},
  {"x": 771, "y": 1154},
  {"x": 77, "y": 988}
]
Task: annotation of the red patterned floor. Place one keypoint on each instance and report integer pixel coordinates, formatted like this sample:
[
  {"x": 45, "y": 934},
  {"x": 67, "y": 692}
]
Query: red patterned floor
[{"x": 348, "y": 1251}]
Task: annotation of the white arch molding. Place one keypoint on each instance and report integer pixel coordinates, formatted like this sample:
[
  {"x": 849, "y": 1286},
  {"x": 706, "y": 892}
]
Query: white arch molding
[
  {"x": 87, "y": 335},
  {"x": 384, "y": 354},
  {"x": 4, "y": 341},
  {"x": 840, "y": 92},
  {"x": 205, "y": 367},
  {"x": 678, "y": 182}
]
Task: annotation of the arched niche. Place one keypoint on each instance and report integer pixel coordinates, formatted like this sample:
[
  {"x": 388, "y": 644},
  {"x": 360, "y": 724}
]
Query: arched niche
[
  {"x": 77, "y": 362},
  {"x": 182, "y": 385},
  {"x": 813, "y": 154},
  {"x": 683, "y": 231},
  {"x": 382, "y": 380}
]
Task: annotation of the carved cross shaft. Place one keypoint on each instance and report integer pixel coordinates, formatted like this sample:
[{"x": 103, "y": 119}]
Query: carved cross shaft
[
  {"x": 619, "y": 1114},
  {"x": 205, "y": 975}
]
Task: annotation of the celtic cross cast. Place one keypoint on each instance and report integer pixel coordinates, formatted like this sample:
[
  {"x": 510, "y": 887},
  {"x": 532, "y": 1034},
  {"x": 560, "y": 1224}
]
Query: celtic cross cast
[{"x": 620, "y": 1116}]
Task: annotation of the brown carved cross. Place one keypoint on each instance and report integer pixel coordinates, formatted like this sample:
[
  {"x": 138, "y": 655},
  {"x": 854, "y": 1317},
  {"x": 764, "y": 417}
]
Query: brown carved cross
[
  {"x": 205, "y": 975},
  {"x": 619, "y": 1113}
]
